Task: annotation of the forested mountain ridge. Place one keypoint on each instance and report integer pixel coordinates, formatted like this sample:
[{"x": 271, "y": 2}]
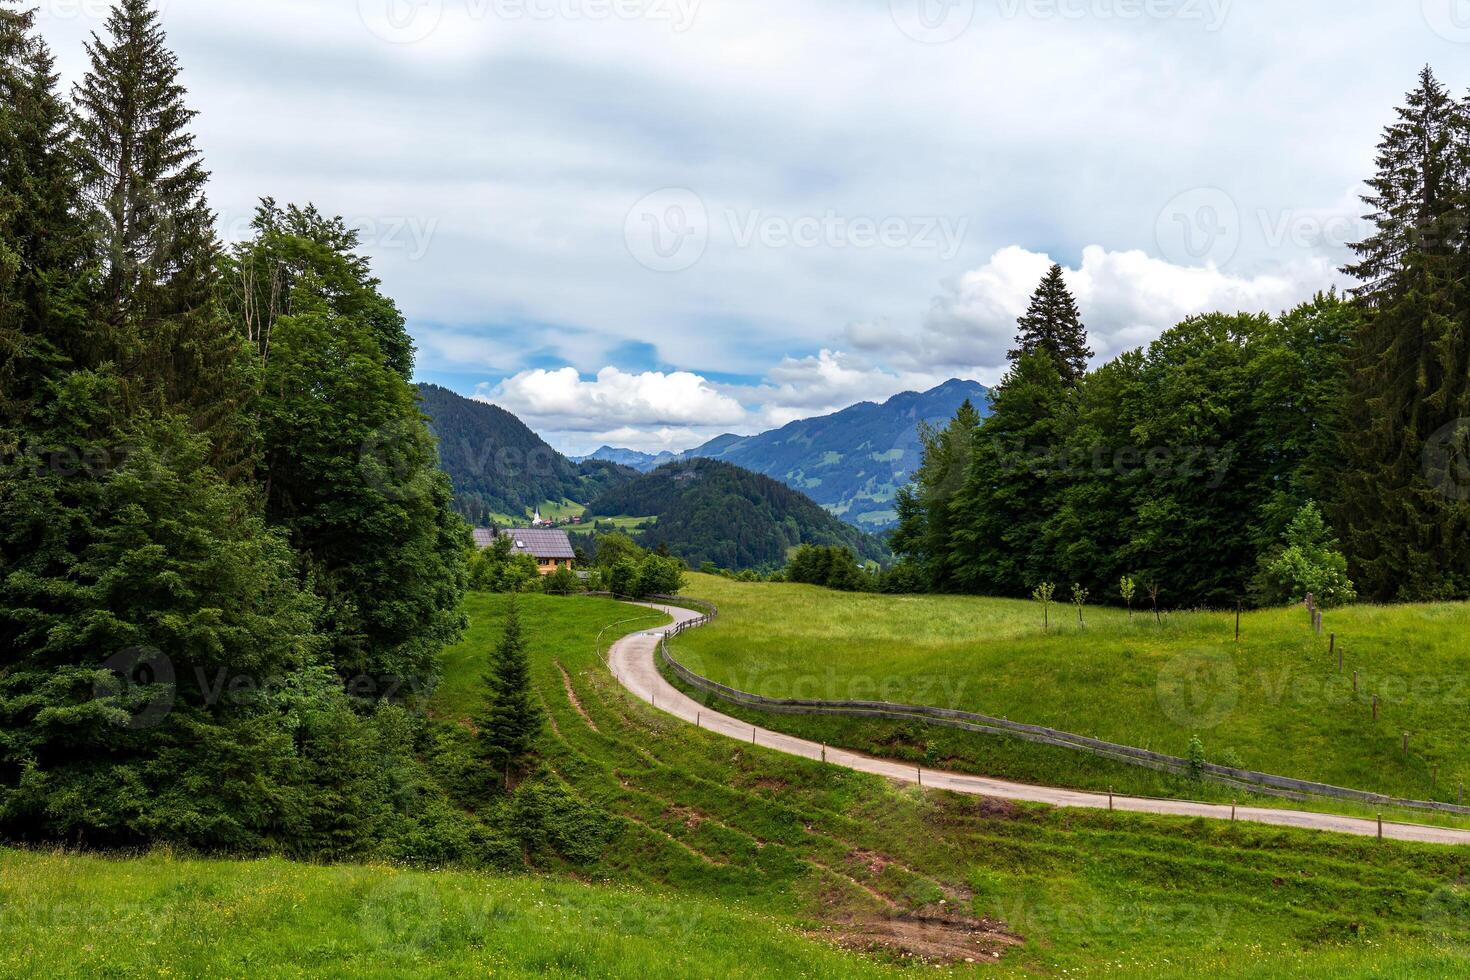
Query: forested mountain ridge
[
  {"x": 712, "y": 511},
  {"x": 851, "y": 462},
  {"x": 499, "y": 466}
]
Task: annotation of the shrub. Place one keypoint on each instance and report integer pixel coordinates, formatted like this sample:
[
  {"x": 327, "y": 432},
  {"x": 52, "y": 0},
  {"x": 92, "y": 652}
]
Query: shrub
[
  {"x": 563, "y": 581},
  {"x": 622, "y": 578},
  {"x": 659, "y": 576},
  {"x": 1308, "y": 562}
]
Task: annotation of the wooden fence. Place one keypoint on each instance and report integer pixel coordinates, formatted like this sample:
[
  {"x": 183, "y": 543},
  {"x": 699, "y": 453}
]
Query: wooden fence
[{"x": 1242, "y": 779}]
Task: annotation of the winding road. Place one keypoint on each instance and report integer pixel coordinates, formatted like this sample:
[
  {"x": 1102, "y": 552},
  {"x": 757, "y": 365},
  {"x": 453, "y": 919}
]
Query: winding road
[{"x": 633, "y": 661}]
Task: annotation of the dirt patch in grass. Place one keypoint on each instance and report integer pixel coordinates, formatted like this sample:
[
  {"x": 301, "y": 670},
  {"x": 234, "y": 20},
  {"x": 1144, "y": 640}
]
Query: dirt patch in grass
[
  {"x": 771, "y": 784},
  {"x": 927, "y": 939},
  {"x": 566, "y": 680},
  {"x": 952, "y": 810},
  {"x": 690, "y": 817}
]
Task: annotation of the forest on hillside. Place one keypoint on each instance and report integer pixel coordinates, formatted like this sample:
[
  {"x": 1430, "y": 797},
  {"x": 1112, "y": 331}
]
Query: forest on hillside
[
  {"x": 708, "y": 511},
  {"x": 1239, "y": 457},
  {"x": 497, "y": 465}
]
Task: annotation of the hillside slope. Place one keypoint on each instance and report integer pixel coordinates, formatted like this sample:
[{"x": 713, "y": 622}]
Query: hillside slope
[
  {"x": 499, "y": 466},
  {"x": 852, "y": 462},
  {"x": 713, "y": 511}
]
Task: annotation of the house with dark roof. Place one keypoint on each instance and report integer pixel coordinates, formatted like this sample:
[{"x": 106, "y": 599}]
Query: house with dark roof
[{"x": 551, "y": 549}]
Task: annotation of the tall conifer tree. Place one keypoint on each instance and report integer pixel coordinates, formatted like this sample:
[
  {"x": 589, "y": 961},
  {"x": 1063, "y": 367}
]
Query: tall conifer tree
[
  {"x": 1054, "y": 324},
  {"x": 1403, "y": 512},
  {"x": 144, "y": 180},
  {"x": 43, "y": 241}
]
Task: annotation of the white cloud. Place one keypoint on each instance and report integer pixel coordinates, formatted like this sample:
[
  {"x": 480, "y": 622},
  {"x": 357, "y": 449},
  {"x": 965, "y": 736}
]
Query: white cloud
[
  {"x": 1127, "y": 300},
  {"x": 563, "y": 399}
]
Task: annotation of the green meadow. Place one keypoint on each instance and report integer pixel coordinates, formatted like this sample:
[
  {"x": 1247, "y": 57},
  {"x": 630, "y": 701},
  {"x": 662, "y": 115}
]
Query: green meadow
[
  {"x": 1275, "y": 701},
  {"x": 730, "y": 860}
]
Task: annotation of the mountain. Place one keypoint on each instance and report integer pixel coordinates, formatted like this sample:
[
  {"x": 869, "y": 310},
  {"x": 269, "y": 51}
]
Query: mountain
[
  {"x": 852, "y": 463},
  {"x": 714, "y": 511},
  {"x": 632, "y": 458},
  {"x": 499, "y": 467}
]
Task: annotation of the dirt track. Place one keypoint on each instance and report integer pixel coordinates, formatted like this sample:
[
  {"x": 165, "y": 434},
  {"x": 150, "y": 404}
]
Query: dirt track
[{"x": 632, "y": 660}]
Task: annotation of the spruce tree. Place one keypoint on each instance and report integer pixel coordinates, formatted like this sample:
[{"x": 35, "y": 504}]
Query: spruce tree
[
  {"x": 43, "y": 240},
  {"x": 1011, "y": 486},
  {"x": 1402, "y": 510},
  {"x": 1054, "y": 324},
  {"x": 511, "y": 721},
  {"x": 155, "y": 306},
  {"x": 925, "y": 526}
]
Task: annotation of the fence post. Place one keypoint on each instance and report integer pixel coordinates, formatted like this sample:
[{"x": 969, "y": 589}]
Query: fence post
[
  {"x": 1232, "y": 811},
  {"x": 1380, "y": 826},
  {"x": 1406, "y": 745},
  {"x": 1375, "y": 707},
  {"x": 1110, "y": 799}
]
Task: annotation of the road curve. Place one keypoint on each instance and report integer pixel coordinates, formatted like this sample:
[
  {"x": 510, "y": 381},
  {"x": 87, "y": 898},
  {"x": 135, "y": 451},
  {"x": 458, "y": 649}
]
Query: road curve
[{"x": 633, "y": 661}]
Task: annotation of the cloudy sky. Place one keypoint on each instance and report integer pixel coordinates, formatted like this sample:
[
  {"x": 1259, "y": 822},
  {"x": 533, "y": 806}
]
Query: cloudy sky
[{"x": 646, "y": 222}]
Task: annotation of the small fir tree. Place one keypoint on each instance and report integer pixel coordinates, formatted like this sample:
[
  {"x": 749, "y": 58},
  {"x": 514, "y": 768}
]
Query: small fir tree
[{"x": 511, "y": 721}]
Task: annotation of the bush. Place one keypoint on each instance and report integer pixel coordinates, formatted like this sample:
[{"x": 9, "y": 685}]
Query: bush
[
  {"x": 905, "y": 578},
  {"x": 1308, "y": 562},
  {"x": 622, "y": 578},
  {"x": 563, "y": 581},
  {"x": 660, "y": 576},
  {"x": 830, "y": 566},
  {"x": 496, "y": 569}
]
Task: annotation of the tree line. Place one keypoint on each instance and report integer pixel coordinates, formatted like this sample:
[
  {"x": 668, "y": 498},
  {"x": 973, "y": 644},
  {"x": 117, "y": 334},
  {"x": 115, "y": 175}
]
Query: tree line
[
  {"x": 1239, "y": 457},
  {"x": 228, "y": 558}
]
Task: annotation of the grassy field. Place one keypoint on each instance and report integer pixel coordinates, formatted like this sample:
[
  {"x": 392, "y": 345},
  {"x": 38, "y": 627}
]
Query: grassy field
[
  {"x": 1274, "y": 702},
  {"x": 733, "y": 860},
  {"x": 64, "y": 916}
]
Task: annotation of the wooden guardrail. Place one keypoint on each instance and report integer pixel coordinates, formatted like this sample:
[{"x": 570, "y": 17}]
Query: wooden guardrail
[{"x": 1243, "y": 779}]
